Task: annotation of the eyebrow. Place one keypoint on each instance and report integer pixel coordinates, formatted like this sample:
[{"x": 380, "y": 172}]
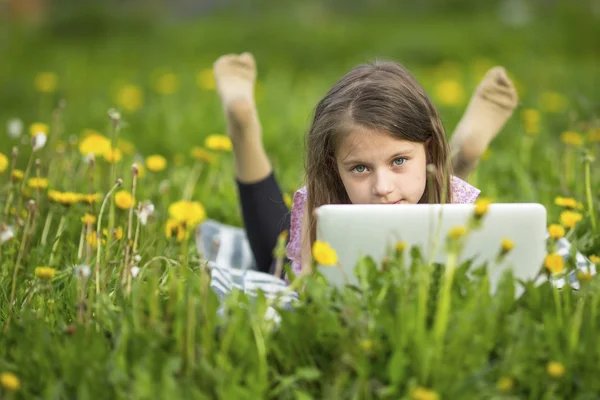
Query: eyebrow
[{"x": 353, "y": 160}]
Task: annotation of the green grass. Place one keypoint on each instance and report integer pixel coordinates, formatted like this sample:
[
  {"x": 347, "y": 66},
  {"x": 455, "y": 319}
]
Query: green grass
[{"x": 163, "y": 339}]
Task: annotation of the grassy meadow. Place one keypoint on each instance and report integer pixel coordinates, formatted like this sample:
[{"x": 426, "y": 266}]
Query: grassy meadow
[{"x": 103, "y": 293}]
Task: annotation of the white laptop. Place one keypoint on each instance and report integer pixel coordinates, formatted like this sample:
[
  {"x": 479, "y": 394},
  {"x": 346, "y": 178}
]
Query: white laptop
[{"x": 370, "y": 230}]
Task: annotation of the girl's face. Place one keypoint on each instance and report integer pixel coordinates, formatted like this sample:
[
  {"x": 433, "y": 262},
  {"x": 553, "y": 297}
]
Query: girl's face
[{"x": 377, "y": 168}]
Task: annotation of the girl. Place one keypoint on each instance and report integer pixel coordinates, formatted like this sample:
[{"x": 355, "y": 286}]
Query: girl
[{"x": 373, "y": 138}]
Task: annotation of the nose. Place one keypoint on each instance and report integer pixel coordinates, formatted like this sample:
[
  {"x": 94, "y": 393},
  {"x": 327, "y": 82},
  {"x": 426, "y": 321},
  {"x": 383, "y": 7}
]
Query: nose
[{"x": 383, "y": 184}]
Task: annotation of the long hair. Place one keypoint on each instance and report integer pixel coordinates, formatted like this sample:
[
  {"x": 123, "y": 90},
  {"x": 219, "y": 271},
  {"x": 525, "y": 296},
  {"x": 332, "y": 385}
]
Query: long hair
[{"x": 381, "y": 96}]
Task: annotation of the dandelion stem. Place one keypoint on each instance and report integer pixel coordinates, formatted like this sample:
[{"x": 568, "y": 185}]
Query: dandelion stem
[
  {"x": 443, "y": 308},
  {"x": 588, "y": 193},
  {"x": 191, "y": 182},
  {"x": 47, "y": 226},
  {"x": 98, "y": 233},
  {"x": 16, "y": 270},
  {"x": 61, "y": 226},
  {"x": 25, "y": 176},
  {"x": 126, "y": 270},
  {"x": 81, "y": 240}
]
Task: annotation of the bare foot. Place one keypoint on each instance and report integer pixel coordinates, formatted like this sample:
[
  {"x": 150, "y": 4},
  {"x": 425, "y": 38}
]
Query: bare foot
[
  {"x": 491, "y": 105},
  {"x": 235, "y": 76}
]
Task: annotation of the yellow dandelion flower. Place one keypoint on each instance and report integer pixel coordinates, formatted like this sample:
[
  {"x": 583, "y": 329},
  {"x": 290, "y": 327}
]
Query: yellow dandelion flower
[
  {"x": 88, "y": 219},
  {"x": 125, "y": 146},
  {"x": 124, "y": 200},
  {"x": 9, "y": 382},
  {"x": 92, "y": 239},
  {"x": 556, "y": 231},
  {"x": 449, "y": 92},
  {"x": 45, "y": 273},
  {"x": 366, "y": 345},
  {"x": 572, "y": 138},
  {"x": 203, "y": 155},
  {"x": 90, "y": 198},
  {"x": 129, "y": 97},
  {"x": 68, "y": 198},
  {"x": 167, "y": 83},
  {"x": 457, "y": 232},
  {"x": 401, "y": 246},
  {"x": 593, "y": 135},
  {"x": 570, "y": 218},
  {"x": 37, "y": 183},
  {"x": 205, "y": 79},
  {"x": 46, "y": 82},
  {"x": 18, "y": 175},
  {"x": 422, "y": 393},
  {"x": 553, "y": 102},
  {"x": 554, "y": 263},
  {"x": 156, "y": 163},
  {"x": 94, "y": 142},
  {"x": 584, "y": 276},
  {"x": 3, "y": 163},
  {"x": 141, "y": 171},
  {"x": 555, "y": 369},
  {"x": 117, "y": 233},
  {"x": 324, "y": 254},
  {"x": 505, "y": 384},
  {"x": 506, "y": 245},
  {"x": 481, "y": 207},
  {"x": 287, "y": 199},
  {"x": 54, "y": 196},
  {"x": 174, "y": 228},
  {"x": 595, "y": 259},
  {"x": 190, "y": 213},
  {"x": 113, "y": 156},
  {"x": 37, "y": 128},
  {"x": 218, "y": 143},
  {"x": 531, "y": 121},
  {"x": 566, "y": 202}
]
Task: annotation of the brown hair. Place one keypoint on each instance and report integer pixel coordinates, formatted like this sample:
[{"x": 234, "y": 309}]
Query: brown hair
[{"x": 381, "y": 96}]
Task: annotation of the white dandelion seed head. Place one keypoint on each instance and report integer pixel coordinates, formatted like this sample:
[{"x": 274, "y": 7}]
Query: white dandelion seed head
[
  {"x": 82, "y": 271},
  {"x": 6, "y": 233},
  {"x": 39, "y": 141},
  {"x": 14, "y": 128}
]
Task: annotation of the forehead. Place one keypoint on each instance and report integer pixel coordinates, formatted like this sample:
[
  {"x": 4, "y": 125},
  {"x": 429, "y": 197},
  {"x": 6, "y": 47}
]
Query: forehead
[{"x": 361, "y": 141}]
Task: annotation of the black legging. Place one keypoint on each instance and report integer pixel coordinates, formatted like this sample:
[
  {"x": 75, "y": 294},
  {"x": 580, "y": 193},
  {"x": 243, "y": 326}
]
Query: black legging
[{"x": 265, "y": 217}]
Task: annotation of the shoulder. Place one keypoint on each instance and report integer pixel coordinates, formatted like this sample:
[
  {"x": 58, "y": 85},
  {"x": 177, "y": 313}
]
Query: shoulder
[
  {"x": 294, "y": 246},
  {"x": 462, "y": 192}
]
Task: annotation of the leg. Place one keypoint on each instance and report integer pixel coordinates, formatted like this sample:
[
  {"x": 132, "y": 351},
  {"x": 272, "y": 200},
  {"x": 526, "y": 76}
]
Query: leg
[
  {"x": 264, "y": 211},
  {"x": 489, "y": 108}
]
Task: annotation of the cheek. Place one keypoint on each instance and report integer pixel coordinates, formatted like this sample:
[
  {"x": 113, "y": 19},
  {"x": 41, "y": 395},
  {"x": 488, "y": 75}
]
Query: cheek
[{"x": 355, "y": 188}]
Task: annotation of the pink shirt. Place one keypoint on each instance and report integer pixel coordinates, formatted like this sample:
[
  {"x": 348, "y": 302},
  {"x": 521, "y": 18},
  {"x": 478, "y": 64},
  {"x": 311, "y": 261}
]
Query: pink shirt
[{"x": 462, "y": 193}]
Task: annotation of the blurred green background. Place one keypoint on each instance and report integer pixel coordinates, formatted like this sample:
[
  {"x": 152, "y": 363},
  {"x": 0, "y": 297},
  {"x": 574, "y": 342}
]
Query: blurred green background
[{"x": 152, "y": 60}]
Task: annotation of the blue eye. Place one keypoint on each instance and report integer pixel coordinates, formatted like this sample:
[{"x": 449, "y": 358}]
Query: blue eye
[
  {"x": 360, "y": 169},
  {"x": 399, "y": 161}
]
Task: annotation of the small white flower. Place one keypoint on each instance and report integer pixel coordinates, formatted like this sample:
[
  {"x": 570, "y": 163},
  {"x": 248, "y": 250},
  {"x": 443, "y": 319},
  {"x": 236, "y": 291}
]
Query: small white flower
[
  {"x": 137, "y": 258},
  {"x": 135, "y": 270},
  {"x": 39, "y": 141},
  {"x": 271, "y": 315},
  {"x": 145, "y": 212},
  {"x": 82, "y": 271},
  {"x": 6, "y": 233},
  {"x": 89, "y": 157},
  {"x": 14, "y": 128}
]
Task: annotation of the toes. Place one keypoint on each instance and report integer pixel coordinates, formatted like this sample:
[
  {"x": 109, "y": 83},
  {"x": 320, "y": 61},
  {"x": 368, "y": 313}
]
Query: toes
[{"x": 248, "y": 58}]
